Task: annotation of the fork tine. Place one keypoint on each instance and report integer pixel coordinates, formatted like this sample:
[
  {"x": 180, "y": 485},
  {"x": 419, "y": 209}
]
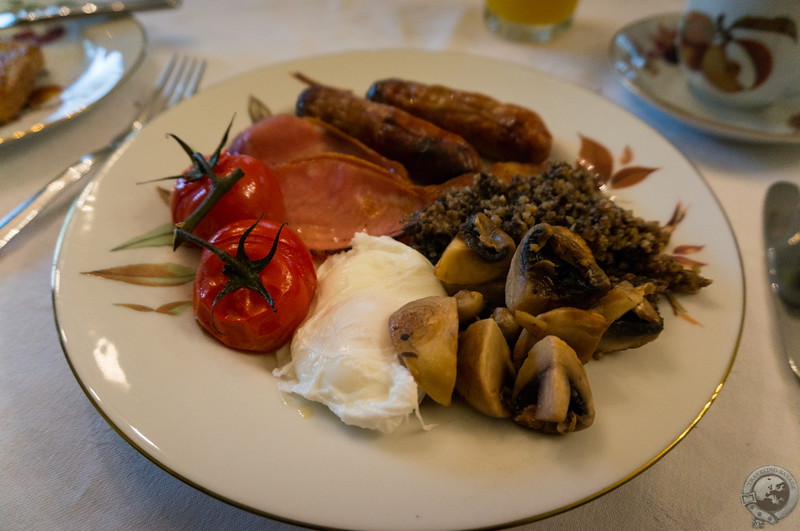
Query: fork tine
[
  {"x": 166, "y": 91},
  {"x": 187, "y": 81},
  {"x": 194, "y": 81},
  {"x": 162, "y": 79},
  {"x": 152, "y": 105}
]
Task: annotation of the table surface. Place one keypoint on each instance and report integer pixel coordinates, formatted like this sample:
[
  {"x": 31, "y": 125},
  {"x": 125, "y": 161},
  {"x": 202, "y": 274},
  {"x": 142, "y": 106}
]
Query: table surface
[{"x": 63, "y": 467}]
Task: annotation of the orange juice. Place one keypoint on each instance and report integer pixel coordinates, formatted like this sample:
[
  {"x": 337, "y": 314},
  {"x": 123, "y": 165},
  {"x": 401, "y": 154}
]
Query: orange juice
[{"x": 534, "y": 12}]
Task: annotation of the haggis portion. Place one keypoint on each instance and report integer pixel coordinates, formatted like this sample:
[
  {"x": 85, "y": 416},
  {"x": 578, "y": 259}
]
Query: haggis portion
[{"x": 625, "y": 246}]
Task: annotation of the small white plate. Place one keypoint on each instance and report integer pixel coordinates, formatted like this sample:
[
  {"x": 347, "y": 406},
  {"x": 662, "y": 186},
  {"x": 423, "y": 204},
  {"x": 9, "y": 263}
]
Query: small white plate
[
  {"x": 85, "y": 59},
  {"x": 644, "y": 58},
  {"x": 215, "y": 418}
]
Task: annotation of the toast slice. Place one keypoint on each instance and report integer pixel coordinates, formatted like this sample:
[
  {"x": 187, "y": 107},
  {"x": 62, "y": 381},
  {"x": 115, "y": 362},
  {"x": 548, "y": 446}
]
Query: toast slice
[{"x": 20, "y": 64}]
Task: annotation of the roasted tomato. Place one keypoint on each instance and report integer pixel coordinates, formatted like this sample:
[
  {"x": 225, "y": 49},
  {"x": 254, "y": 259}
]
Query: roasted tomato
[
  {"x": 256, "y": 193},
  {"x": 254, "y": 284}
]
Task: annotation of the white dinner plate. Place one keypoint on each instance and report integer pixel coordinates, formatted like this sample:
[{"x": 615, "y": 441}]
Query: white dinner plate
[
  {"x": 214, "y": 418},
  {"x": 645, "y": 61},
  {"x": 84, "y": 59}
]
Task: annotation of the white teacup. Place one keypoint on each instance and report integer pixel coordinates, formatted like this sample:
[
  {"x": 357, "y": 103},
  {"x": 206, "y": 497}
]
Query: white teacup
[{"x": 741, "y": 53}]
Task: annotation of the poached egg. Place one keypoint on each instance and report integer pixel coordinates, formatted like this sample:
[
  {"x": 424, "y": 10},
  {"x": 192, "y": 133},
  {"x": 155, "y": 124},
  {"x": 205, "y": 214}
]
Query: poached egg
[{"x": 342, "y": 355}]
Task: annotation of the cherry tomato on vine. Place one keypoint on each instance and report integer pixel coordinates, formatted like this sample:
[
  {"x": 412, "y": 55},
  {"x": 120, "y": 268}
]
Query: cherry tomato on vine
[
  {"x": 256, "y": 194},
  {"x": 254, "y": 284}
]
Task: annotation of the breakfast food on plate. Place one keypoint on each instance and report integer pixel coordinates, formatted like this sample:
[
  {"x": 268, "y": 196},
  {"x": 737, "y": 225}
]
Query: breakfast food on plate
[
  {"x": 430, "y": 154},
  {"x": 552, "y": 268},
  {"x": 549, "y": 309},
  {"x": 330, "y": 196},
  {"x": 20, "y": 64},
  {"x": 254, "y": 284},
  {"x": 342, "y": 355},
  {"x": 232, "y": 186},
  {"x": 551, "y": 392},
  {"x": 499, "y": 131},
  {"x": 493, "y": 282},
  {"x": 544, "y": 313},
  {"x": 425, "y": 336},
  {"x": 626, "y": 247},
  {"x": 484, "y": 368},
  {"x": 281, "y": 138}
]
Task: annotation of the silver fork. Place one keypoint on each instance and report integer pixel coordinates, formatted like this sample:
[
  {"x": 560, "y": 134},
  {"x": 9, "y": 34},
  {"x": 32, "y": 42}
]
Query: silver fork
[{"x": 179, "y": 80}]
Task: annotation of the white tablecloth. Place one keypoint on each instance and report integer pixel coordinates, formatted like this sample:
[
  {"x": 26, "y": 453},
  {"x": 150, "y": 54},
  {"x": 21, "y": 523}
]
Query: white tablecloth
[{"x": 63, "y": 467}]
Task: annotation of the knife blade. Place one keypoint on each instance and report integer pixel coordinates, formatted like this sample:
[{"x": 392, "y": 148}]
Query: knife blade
[
  {"x": 68, "y": 10},
  {"x": 782, "y": 242}
]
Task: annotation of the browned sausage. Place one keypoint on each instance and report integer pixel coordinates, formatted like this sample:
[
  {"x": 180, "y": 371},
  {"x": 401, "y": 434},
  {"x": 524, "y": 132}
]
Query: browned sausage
[
  {"x": 431, "y": 154},
  {"x": 500, "y": 131}
]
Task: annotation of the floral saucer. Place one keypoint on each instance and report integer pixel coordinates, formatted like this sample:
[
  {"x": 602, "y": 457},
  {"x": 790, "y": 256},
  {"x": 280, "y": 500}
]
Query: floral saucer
[{"x": 645, "y": 58}]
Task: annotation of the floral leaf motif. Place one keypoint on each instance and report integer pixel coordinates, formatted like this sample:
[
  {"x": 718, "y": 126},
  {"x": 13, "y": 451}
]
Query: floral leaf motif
[
  {"x": 257, "y": 109},
  {"x": 137, "y": 307},
  {"x": 164, "y": 194},
  {"x": 760, "y": 58},
  {"x": 596, "y": 158},
  {"x": 679, "y": 311},
  {"x": 662, "y": 47},
  {"x": 627, "y": 156},
  {"x": 782, "y": 25},
  {"x": 688, "y": 249},
  {"x": 158, "y": 237},
  {"x": 695, "y": 37},
  {"x": 167, "y": 274},
  {"x": 171, "y": 308},
  {"x": 687, "y": 262},
  {"x": 174, "y": 308},
  {"x": 630, "y": 176},
  {"x": 677, "y": 216}
]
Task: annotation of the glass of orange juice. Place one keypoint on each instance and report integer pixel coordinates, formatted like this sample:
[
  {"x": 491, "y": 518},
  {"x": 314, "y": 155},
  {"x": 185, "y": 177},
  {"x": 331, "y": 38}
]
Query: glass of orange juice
[{"x": 529, "y": 20}]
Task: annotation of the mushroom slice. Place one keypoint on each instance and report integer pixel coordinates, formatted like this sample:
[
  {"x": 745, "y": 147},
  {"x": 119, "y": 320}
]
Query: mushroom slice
[
  {"x": 533, "y": 330},
  {"x": 553, "y": 267},
  {"x": 522, "y": 346},
  {"x": 622, "y": 298},
  {"x": 469, "y": 304},
  {"x": 580, "y": 329},
  {"x": 633, "y": 329},
  {"x": 551, "y": 392},
  {"x": 481, "y": 252},
  {"x": 508, "y": 324},
  {"x": 484, "y": 367},
  {"x": 424, "y": 333},
  {"x": 493, "y": 292}
]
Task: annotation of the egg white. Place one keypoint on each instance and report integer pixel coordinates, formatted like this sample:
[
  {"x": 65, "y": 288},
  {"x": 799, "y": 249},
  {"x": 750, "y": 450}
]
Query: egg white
[{"x": 342, "y": 355}]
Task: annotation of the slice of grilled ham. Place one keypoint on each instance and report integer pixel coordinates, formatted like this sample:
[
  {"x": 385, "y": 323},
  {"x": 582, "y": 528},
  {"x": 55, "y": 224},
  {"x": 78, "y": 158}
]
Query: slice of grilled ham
[{"x": 20, "y": 64}]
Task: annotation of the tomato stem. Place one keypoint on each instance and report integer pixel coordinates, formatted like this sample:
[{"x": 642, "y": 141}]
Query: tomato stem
[
  {"x": 219, "y": 187},
  {"x": 204, "y": 167},
  {"x": 241, "y": 270}
]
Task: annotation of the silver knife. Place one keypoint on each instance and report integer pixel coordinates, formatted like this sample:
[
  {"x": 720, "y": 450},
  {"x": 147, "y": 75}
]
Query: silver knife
[
  {"x": 65, "y": 10},
  {"x": 782, "y": 241}
]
